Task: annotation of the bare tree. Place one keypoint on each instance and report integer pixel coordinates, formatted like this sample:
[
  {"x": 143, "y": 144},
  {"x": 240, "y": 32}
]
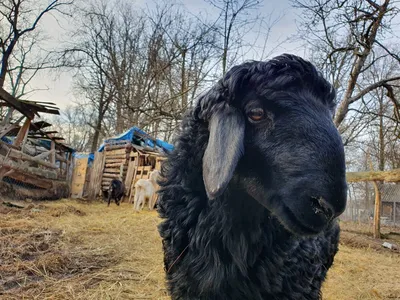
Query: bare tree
[
  {"x": 234, "y": 22},
  {"x": 347, "y": 34},
  {"x": 19, "y": 19},
  {"x": 72, "y": 125}
]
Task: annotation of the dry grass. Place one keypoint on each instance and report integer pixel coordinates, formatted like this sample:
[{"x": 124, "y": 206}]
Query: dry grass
[{"x": 74, "y": 250}]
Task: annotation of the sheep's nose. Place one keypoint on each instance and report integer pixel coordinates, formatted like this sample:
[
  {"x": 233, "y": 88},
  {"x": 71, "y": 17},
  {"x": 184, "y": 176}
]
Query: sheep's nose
[
  {"x": 333, "y": 201},
  {"x": 322, "y": 207}
]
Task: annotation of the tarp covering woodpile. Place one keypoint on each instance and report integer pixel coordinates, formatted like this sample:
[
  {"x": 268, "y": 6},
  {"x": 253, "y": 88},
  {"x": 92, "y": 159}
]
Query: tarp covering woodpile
[
  {"x": 140, "y": 138},
  {"x": 128, "y": 156}
]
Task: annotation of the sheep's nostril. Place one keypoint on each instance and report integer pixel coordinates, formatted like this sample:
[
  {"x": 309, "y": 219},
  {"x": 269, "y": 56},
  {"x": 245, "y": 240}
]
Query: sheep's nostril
[{"x": 321, "y": 206}]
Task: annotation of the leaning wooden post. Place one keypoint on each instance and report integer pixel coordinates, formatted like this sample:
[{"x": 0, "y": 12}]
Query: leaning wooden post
[
  {"x": 22, "y": 133},
  {"x": 377, "y": 212},
  {"x": 53, "y": 152}
]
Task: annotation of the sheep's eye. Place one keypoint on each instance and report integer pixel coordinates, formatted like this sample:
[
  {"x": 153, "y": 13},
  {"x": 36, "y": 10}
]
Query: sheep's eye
[{"x": 256, "y": 114}]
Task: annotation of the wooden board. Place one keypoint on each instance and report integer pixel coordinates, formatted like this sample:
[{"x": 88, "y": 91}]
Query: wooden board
[
  {"x": 129, "y": 176},
  {"x": 111, "y": 160},
  {"x": 113, "y": 165},
  {"x": 113, "y": 170},
  {"x": 22, "y": 156},
  {"x": 388, "y": 176},
  {"x": 117, "y": 152},
  {"x": 94, "y": 187},
  {"x": 117, "y": 156},
  {"x": 79, "y": 177},
  {"x": 8, "y": 164},
  {"x": 31, "y": 179}
]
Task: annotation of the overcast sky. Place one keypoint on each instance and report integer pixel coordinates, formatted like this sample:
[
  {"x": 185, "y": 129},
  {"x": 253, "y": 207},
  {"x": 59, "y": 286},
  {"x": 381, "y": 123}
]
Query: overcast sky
[{"x": 60, "y": 89}]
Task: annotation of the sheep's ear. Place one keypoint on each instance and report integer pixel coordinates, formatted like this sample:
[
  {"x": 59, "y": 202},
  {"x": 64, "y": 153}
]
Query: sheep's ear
[{"x": 224, "y": 149}]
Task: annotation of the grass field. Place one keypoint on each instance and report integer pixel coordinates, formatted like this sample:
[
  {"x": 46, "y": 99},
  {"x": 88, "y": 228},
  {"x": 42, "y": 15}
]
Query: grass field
[{"x": 75, "y": 250}]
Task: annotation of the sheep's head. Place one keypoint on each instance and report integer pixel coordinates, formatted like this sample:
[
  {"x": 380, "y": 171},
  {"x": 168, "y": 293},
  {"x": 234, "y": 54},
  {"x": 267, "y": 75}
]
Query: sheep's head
[{"x": 270, "y": 127}]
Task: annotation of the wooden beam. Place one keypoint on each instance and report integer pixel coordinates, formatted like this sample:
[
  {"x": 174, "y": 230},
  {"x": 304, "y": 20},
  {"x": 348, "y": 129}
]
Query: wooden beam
[
  {"x": 60, "y": 158},
  {"x": 20, "y": 106},
  {"x": 377, "y": 211},
  {"x": 387, "y": 176},
  {"x": 22, "y": 133},
  {"x": 7, "y": 129},
  {"x": 53, "y": 152},
  {"x": 39, "y": 182},
  {"x": 6, "y": 145},
  {"x": 10, "y": 164},
  {"x": 43, "y": 155},
  {"x": 22, "y": 156}
]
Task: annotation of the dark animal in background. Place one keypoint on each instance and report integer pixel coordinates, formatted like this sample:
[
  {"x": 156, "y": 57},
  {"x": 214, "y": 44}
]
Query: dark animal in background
[
  {"x": 115, "y": 191},
  {"x": 251, "y": 193}
]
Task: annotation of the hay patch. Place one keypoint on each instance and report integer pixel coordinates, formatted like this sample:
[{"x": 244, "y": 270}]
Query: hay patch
[{"x": 79, "y": 250}]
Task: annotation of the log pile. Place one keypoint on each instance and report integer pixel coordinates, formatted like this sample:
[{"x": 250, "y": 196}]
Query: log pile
[{"x": 116, "y": 161}]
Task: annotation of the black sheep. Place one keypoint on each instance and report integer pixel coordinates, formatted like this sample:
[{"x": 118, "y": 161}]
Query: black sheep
[
  {"x": 251, "y": 193},
  {"x": 115, "y": 191}
]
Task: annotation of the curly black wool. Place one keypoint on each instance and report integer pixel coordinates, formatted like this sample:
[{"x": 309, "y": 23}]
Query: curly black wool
[{"x": 249, "y": 207}]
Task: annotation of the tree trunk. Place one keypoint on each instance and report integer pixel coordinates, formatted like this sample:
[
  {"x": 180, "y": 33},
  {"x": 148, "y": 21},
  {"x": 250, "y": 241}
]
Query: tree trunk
[
  {"x": 184, "y": 92},
  {"x": 381, "y": 136},
  {"x": 361, "y": 58},
  {"x": 96, "y": 135}
]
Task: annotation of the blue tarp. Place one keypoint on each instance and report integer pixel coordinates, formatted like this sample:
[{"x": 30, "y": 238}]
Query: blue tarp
[
  {"x": 89, "y": 156},
  {"x": 130, "y": 136},
  {"x": 6, "y": 140}
]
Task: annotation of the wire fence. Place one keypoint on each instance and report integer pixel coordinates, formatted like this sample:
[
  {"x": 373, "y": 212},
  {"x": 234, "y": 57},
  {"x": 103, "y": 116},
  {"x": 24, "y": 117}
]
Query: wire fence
[{"x": 361, "y": 203}]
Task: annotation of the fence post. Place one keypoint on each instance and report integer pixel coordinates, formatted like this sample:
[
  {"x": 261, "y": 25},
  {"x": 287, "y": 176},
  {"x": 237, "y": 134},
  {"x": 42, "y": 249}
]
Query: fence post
[{"x": 377, "y": 212}]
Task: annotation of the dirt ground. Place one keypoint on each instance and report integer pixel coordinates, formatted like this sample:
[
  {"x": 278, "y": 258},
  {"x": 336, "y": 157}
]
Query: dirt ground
[{"x": 76, "y": 250}]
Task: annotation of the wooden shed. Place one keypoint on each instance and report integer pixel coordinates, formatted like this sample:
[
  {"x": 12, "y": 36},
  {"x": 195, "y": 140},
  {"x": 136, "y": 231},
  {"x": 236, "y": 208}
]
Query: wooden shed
[
  {"x": 34, "y": 162},
  {"x": 128, "y": 157}
]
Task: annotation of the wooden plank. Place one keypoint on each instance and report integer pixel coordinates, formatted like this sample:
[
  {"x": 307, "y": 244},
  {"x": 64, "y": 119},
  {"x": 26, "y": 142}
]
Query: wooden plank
[
  {"x": 113, "y": 165},
  {"x": 43, "y": 154},
  {"x": 22, "y": 156},
  {"x": 7, "y": 129},
  {"x": 22, "y": 133},
  {"x": 69, "y": 163},
  {"x": 133, "y": 181},
  {"x": 121, "y": 157},
  {"x": 60, "y": 158},
  {"x": 96, "y": 177},
  {"x": 110, "y": 175},
  {"x": 79, "y": 177},
  {"x": 31, "y": 179},
  {"x": 388, "y": 176},
  {"x": 112, "y": 161},
  {"x": 104, "y": 179},
  {"x": 115, "y": 169},
  {"x": 117, "y": 152},
  {"x": 53, "y": 152},
  {"x": 20, "y": 106},
  {"x": 10, "y": 164},
  {"x": 59, "y": 190},
  {"x": 7, "y": 146},
  {"x": 124, "y": 147},
  {"x": 129, "y": 176},
  {"x": 112, "y": 170}
]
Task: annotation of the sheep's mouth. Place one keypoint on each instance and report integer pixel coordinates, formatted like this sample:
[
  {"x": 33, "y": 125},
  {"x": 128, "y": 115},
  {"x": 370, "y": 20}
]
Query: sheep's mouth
[{"x": 292, "y": 223}]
